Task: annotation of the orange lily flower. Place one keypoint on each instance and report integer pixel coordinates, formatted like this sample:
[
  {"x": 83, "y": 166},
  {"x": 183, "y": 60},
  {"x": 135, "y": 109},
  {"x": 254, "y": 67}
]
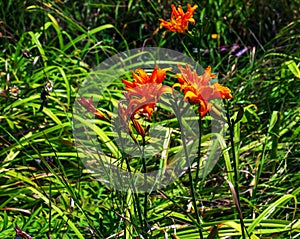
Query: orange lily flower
[
  {"x": 142, "y": 95},
  {"x": 145, "y": 91},
  {"x": 197, "y": 89},
  {"x": 89, "y": 106},
  {"x": 179, "y": 19}
]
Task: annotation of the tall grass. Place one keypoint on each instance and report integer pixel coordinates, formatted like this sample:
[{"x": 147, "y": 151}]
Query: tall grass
[{"x": 45, "y": 188}]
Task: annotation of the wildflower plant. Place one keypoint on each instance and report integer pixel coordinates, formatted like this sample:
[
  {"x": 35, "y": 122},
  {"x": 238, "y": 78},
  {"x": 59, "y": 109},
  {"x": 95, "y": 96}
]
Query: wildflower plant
[
  {"x": 139, "y": 138},
  {"x": 136, "y": 121},
  {"x": 134, "y": 126},
  {"x": 138, "y": 154}
]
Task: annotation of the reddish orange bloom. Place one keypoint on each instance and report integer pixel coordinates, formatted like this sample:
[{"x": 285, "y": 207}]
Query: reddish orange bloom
[
  {"x": 179, "y": 19},
  {"x": 142, "y": 95},
  {"x": 89, "y": 106},
  {"x": 197, "y": 89},
  {"x": 139, "y": 128}
]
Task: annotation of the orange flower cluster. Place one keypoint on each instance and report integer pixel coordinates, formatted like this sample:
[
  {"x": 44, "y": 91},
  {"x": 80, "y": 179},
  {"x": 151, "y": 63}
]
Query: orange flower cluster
[
  {"x": 142, "y": 95},
  {"x": 197, "y": 89},
  {"x": 89, "y": 106},
  {"x": 179, "y": 19},
  {"x": 145, "y": 90}
]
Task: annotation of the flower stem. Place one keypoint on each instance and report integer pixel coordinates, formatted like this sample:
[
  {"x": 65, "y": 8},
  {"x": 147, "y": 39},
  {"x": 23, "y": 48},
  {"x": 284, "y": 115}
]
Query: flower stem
[
  {"x": 137, "y": 200},
  {"x": 199, "y": 150},
  {"x": 145, "y": 182},
  {"x": 236, "y": 178},
  {"x": 190, "y": 174},
  {"x": 193, "y": 192}
]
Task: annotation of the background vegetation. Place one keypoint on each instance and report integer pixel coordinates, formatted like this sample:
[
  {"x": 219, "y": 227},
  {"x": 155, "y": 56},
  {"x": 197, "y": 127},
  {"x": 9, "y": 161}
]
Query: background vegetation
[{"x": 44, "y": 187}]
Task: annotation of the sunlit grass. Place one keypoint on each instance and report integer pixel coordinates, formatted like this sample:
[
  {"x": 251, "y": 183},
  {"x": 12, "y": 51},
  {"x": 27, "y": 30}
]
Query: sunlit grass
[{"x": 45, "y": 188}]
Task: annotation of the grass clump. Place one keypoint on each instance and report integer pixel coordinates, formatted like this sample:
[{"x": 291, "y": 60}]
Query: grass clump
[{"x": 47, "y": 191}]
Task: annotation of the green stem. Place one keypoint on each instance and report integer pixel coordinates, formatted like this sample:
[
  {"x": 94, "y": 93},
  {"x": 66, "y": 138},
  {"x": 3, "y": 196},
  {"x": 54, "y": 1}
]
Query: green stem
[
  {"x": 137, "y": 201},
  {"x": 199, "y": 150},
  {"x": 136, "y": 197},
  {"x": 145, "y": 182},
  {"x": 190, "y": 175},
  {"x": 236, "y": 178},
  {"x": 186, "y": 49}
]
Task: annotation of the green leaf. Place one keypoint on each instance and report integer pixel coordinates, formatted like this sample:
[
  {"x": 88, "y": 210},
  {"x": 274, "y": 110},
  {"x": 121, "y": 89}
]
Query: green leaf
[
  {"x": 270, "y": 210},
  {"x": 293, "y": 68}
]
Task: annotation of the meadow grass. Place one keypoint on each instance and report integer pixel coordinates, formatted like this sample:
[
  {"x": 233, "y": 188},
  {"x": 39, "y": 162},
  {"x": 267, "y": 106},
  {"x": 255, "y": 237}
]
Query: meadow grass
[{"x": 253, "y": 190}]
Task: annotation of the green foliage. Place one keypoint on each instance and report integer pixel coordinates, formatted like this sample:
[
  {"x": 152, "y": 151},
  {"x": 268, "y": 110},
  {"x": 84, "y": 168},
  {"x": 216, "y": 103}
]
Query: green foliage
[{"x": 46, "y": 190}]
